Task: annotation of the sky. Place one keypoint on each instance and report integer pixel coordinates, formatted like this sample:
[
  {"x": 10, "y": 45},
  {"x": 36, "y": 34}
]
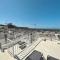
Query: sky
[{"x": 31, "y": 13}]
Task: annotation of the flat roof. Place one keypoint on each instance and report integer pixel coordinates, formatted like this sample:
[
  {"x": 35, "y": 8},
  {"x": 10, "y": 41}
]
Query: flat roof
[{"x": 48, "y": 47}]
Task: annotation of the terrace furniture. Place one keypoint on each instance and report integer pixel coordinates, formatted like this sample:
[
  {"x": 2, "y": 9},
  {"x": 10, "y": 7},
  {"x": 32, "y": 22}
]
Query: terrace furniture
[
  {"x": 35, "y": 55},
  {"x": 51, "y": 58}
]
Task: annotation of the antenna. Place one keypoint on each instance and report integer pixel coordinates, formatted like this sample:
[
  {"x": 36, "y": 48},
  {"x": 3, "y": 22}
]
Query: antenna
[{"x": 34, "y": 25}]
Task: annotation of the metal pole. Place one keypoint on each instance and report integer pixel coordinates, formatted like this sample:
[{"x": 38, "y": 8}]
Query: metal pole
[
  {"x": 13, "y": 50},
  {"x": 5, "y": 33}
]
